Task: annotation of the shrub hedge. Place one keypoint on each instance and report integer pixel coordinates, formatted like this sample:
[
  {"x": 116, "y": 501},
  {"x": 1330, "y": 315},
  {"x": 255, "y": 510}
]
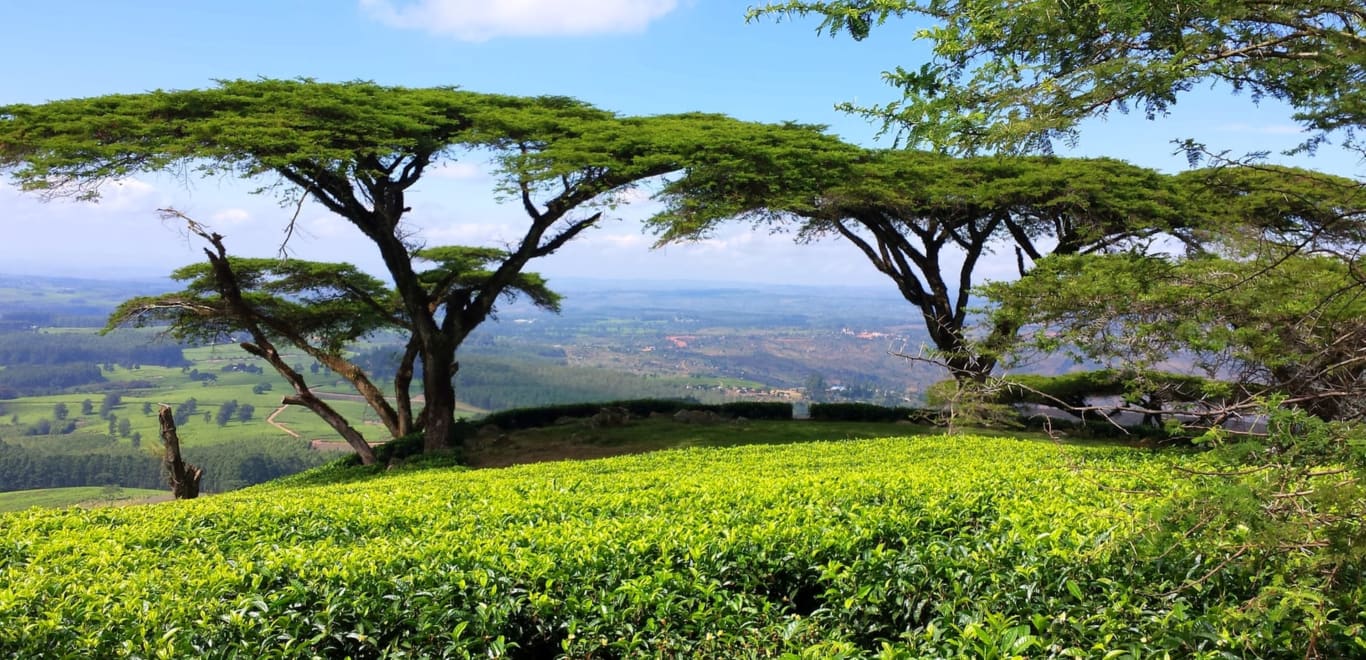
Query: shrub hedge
[
  {"x": 867, "y": 412},
  {"x": 526, "y": 418}
]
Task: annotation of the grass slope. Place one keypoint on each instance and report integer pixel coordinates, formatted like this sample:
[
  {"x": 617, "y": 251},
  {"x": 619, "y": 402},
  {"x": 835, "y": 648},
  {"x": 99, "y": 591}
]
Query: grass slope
[
  {"x": 909, "y": 547},
  {"x": 83, "y": 495}
]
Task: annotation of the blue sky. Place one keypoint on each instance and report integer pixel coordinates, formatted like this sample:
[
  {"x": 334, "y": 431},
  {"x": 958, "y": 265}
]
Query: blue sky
[{"x": 629, "y": 56}]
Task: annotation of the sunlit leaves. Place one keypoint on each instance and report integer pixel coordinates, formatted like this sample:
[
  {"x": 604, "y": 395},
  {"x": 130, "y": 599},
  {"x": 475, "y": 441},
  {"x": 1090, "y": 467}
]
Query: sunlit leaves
[
  {"x": 460, "y": 271},
  {"x": 927, "y": 547},
  {"x": 332, "y": 304},
  {"x": 1016, "y": 76}
]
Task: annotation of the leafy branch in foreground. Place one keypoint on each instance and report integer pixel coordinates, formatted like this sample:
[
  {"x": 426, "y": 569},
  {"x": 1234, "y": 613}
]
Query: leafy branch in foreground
[
  {"x": 1295, "y": 497},
  {"x": 1267, "y": 301},
  {"x": 1016, "y": 76}
]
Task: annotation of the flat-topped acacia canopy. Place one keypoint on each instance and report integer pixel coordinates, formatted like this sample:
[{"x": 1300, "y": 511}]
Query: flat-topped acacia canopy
[
  {"x": 356, "y": 148},
  {"x": 919, "y": 216}
]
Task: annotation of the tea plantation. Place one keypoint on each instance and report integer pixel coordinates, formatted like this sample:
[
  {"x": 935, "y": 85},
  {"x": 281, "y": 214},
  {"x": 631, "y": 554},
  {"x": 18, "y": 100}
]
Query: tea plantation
[{"x": 899, "y": 548}]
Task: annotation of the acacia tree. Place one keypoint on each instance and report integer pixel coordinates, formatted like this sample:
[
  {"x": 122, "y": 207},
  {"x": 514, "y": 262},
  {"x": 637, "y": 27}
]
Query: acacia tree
[
  {"x": 357, "y": 149},
  {"x": 1015, "y": 76},
  {"x": 928, "y": 221},
  {"x": 318, "y": 308}
]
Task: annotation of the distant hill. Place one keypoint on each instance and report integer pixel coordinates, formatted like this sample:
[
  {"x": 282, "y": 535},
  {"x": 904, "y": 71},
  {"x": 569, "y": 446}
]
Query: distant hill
[{"x": 67, "y": 301}]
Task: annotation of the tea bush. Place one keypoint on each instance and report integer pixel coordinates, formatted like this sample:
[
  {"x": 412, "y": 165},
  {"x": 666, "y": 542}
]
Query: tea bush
[{"x": 898, "y": 548}]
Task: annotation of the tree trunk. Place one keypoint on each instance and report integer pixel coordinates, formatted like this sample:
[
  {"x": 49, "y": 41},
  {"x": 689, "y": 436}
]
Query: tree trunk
[
  {"x": 435, "y": 349},
  {"x": 305, "y": 397},
  {"x": 184, "y": 477},
  {"x": 965, "y": 365},
  {"x": 438, "y": 412},
  {"x": 403, "y": 381},
  {"x": 373, "y": 396},
  {"x": 265, "y": 349}
]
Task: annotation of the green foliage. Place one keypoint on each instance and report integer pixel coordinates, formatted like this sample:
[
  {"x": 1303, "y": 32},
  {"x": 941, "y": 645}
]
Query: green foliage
[
  {"x": 38, "y": 380},
  {"x": 185, "y": 410},
  {"x": 407, "y": 446},
  {"x": 1016, "y": 76},
  {"x": 40, "y": 427},
  {"x": 83, "y": 459},
  {"x": 1094, "y": 398},
  {"x": 226, "y": 411},
  {"x": 1280, "y": 324},
  {"x": 330, "y": 304},
  {"x": 969, "y": 404},
  {"x": 1262, "y": 209},
  {"x": 244, "y": 127},
  {"x": 1080, "y": 388},
  {"x": 1293, "y": 499},
  {"x": 76, "y": 461},
  {"x": 947, "y": 547},
  {"x": 229, "y": 466},
  {"x": 527, "y": 418},
  {"x": 459, "y": 272},
  {"x": 110, "y": 401},
  {"x": 52, "y": 348},
  {"x": 1095, "y": 198}
]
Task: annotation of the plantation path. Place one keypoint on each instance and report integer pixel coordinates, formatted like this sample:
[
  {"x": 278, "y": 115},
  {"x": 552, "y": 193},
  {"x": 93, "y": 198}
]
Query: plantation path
[{"x": 271, "y": 420}]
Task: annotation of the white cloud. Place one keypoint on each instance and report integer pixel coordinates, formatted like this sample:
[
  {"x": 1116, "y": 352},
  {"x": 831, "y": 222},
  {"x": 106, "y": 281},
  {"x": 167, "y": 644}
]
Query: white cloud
[
  {"x": 327, "y": 226},
  {"x": 457, "y": 170},
  {"x": 480, "y": 20},
  {"x": 128, "y": 195},
  {"x": 231, "y": 217},
  {"x": 470, "y": 233}
]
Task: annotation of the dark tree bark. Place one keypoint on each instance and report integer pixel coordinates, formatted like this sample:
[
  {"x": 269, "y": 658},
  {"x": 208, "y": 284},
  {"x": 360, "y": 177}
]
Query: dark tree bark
[
  {"x": 184, "y": 477},
  {"x": 403, "y": 380},
  {"x": 305, "y": 397},
  {"x": 262, "y": 347}
]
